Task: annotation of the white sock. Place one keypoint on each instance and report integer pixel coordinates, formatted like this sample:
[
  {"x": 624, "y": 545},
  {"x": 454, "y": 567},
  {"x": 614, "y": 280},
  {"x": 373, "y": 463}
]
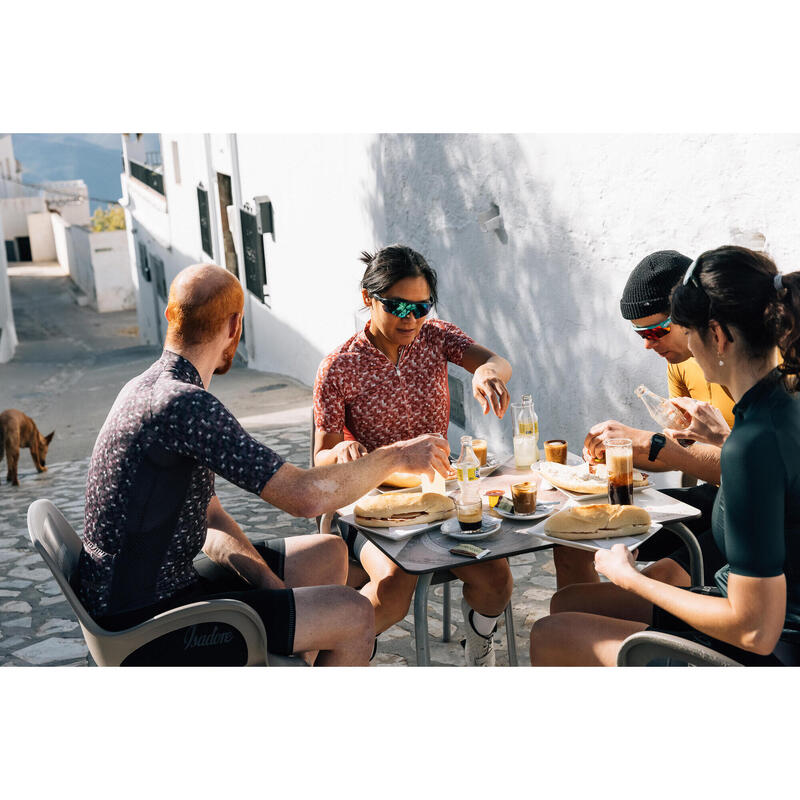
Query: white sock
[{"x": 483, "y": 625}]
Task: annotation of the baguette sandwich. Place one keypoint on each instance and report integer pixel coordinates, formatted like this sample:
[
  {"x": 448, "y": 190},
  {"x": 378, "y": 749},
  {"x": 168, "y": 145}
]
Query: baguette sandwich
[
  {"x": 398, "y": 510},
  {"x": 597, "y": 521}
]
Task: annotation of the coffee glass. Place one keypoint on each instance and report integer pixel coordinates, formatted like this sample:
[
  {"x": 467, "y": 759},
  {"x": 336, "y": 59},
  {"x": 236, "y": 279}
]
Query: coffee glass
[
  {"x": 470, "y": 514},
  {"x": 523, "y": 496},
  {"x": 619, "y": 463},
  {"x": 555, "y": 450},
  {"x": 479, "y": 448}
]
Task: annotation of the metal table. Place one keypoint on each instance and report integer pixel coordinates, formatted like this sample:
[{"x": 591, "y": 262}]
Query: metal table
[{"x": 429, "y": 552}]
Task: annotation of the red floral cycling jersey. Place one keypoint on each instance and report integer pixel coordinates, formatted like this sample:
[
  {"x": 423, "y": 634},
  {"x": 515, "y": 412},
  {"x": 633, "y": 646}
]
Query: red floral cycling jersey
[{"x": 360, "y": 393}]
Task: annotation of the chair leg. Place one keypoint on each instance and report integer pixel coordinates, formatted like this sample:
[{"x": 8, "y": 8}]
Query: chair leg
[
  {"x": 511, "y": 640},
  {"x": 446, "y": 611},
  {"x": 421, "y": 620}
]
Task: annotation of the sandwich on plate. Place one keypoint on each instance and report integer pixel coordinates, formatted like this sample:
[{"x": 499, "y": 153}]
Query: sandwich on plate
[
  {"x": 398, "y": 510},
  {"x": 597, "y": 521}
]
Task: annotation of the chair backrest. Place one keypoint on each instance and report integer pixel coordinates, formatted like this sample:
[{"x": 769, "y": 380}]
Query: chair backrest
[{"x": 59, "y": 546}]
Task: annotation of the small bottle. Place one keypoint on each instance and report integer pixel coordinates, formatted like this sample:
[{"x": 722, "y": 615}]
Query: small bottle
[
  {"x": 665, "y": 413},
  {"x": 467, "y": 470}
]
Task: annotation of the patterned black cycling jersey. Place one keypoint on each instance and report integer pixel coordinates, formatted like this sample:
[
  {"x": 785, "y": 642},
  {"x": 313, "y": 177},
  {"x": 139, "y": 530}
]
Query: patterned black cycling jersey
[{"x": 151, "y": 478}]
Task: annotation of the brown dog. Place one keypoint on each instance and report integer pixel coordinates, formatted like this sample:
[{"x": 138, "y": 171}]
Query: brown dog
[{"x": 18, "y": 430}]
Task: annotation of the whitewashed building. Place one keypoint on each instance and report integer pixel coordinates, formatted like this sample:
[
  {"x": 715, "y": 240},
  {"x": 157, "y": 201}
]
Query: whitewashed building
[{"x": 533, "y": 237}]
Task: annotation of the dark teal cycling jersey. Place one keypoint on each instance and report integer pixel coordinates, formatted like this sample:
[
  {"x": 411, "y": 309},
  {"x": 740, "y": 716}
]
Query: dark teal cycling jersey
[{"x": 756, "y": 516}]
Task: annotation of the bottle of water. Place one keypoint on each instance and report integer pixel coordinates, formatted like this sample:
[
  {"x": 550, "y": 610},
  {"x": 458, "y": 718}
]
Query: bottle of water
[
  {"x": 467, "y": 470},
  {"x": 526, "y": 433},
  {"x": 665, "y": 413}
]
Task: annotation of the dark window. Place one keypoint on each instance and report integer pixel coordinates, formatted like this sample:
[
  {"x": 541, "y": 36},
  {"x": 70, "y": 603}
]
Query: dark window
[
  {"x": 11, "y": 250},
  {"x": 148, "y": 177},
  {"x": 158, "y": 274},
  {"x": 255, "y": 270},
  {"x": 24, "y": 248},
  {"x": 144, "y": 267},
  {"x": 205, "y": 222}
]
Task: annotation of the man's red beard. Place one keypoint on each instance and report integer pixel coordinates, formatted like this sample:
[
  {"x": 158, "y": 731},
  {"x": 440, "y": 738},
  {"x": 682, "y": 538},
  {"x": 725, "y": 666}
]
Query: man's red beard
[{"x": 228, "y": 356}]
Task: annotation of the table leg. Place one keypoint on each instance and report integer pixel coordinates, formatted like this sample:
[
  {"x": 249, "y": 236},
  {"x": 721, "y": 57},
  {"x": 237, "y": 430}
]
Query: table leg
[
  {"x": 421, "y": 620},
  {"x": 446, "y": 611},
  {"x": 695, "y": 554},
  {"x": 511, "y": 639}
]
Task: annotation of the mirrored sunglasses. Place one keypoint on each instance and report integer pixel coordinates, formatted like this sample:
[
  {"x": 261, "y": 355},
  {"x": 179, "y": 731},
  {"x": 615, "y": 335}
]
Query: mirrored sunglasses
[
  {"x": 402, "y": 308},
  {"x": 652, "y": 332}
]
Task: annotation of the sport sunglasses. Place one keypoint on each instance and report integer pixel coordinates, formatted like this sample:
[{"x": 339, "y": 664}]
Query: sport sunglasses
[
  {"x": 402, "y": 308},
  {"x": 652, "y": 332}
]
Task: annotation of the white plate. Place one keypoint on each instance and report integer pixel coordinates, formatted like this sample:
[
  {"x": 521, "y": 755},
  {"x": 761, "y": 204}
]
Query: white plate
[
  {"x": 631, "y": 542},
  {"x": 397, "y": 534},
  {"x": 490, "y": 525},
  {"x": 542, "y": 510},
  {"x": 599, "y": 495}
]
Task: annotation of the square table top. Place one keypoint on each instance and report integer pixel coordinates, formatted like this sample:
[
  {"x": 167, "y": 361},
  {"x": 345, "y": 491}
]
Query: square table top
[{"x": 429, "y": 550}]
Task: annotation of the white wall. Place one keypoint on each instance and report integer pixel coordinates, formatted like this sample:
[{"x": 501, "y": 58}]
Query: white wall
[
  {"x": 325, "y": 215},
  {"x": 580, "y": 212},
  {"x": 14, "y": 214},
  {"x": 114, "y": 289},
  {"x": 74, "y": 254},
  {"x": 40, "y": 229},
  {"x": 8, "y": 333}
]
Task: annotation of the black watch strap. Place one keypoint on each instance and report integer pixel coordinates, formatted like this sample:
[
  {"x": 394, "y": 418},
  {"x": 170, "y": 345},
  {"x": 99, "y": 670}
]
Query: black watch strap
[{"x": 657, "y": 441}]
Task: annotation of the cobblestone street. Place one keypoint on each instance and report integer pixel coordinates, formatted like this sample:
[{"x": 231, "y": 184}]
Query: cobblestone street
[{"x": 37, "y": 626}]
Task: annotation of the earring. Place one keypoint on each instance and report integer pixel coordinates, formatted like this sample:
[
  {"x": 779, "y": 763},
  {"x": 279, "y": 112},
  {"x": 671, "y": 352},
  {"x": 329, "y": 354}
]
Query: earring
[{"x": 721, "y": 362}]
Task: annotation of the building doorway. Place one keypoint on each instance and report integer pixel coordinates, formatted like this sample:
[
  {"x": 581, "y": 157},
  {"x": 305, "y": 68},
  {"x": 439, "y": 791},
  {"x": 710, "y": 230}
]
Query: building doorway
[
  {"x": 24, "y": 248},
  {"x": 225, "y": 193}
]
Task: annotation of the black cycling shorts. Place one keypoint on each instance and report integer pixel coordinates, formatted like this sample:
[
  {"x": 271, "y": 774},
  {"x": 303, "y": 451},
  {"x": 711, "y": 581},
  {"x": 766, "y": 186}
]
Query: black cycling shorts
[
  {"x": 216, "y": 644},
  {"x": 354, "y": 539}
]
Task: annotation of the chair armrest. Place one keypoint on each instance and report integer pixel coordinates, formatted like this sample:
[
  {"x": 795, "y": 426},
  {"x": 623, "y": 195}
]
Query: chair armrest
[
  {"x": 639, "y": 649},
  {"x": 116, "y": 646}
]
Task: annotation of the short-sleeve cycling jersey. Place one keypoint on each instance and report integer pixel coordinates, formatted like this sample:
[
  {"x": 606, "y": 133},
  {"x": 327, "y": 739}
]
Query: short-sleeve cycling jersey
[
  {"x": 756, "y": 516},
  {"x": 360, "y": 393},
  {"x": 151, "y": 478}
]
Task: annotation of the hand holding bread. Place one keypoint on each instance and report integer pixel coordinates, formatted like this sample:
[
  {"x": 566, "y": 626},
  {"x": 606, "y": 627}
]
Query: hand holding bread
[{"x": 423, "y": 454}]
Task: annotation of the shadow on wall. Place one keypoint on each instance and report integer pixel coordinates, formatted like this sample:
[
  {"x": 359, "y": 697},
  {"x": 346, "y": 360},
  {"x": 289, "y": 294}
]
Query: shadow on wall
[{"x": 536, "y": 291}]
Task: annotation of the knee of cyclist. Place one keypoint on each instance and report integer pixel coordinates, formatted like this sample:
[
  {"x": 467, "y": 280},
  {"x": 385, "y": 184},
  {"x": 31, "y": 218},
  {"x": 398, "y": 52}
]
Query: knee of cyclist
[
  {"x": 394, "y": 594},
  {"x": 363, "y": 616},
  {"x": 334, "y": 552}
]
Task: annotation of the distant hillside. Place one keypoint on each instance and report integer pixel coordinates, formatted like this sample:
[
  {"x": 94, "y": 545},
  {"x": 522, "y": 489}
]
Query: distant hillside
[{"x": 94, "y": 157}]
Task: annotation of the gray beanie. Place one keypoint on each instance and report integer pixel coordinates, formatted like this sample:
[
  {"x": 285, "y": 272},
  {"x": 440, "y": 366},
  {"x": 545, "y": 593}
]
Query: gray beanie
[{"x": 650, "y": 284}]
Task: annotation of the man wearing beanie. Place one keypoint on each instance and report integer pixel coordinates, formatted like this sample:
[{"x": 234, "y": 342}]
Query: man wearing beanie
[{"x": 645, "y": 303}]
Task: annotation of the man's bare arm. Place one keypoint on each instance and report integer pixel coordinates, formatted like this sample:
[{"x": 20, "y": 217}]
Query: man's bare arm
[
  {"x": 311, "y": 492},
  {"x": 227, "y": 545}
]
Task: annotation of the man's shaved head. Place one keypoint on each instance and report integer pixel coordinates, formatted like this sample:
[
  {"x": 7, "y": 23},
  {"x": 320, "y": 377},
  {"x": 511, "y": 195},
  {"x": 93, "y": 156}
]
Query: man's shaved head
[{"x": 202, "y": 299}]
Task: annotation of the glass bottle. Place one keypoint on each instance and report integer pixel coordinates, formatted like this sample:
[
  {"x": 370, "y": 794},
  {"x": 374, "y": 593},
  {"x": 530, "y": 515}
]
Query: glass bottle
[
  {"x": 526, "y": 433},
  {"x": 467, "y": 470},
  {"x": 665, "y": 413}
]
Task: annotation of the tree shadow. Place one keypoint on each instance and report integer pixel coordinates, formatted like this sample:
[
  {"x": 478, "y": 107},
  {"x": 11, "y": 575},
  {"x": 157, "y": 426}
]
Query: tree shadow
[{"x": 542, "y": 292}]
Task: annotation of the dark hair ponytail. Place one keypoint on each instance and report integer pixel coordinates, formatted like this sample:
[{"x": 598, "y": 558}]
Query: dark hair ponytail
[
  {"x": 393, "y": 263},
  {"x": 739, "y": 289}
]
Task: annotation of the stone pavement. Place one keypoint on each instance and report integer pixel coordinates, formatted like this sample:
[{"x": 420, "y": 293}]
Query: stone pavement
[{"x": 37, "y": 625}]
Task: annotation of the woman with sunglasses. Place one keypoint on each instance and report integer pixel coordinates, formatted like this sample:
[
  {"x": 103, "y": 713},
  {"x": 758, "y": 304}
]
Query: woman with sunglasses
[
  {"x": 741, "y": 317},
  {"x": 388, "y": 383}
]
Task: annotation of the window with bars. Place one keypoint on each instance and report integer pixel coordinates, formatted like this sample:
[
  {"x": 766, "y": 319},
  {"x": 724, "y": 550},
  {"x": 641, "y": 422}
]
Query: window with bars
[
  {"x": 255, "y": 269},
  {"x": 205, "y": 221}
]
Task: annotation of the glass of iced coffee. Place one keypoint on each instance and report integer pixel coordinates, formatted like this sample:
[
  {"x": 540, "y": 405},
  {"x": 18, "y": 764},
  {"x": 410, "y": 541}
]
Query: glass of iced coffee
[
  {"x": 523, "y": 496},
  {"x": 555, "y": 450},
  {"x": 619, "y": 462},
  {"x": 479, "y": 448}
]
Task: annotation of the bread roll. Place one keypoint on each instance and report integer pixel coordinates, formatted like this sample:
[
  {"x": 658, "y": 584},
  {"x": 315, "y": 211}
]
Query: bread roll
[
  {"x": 402, "y": 480},
  {"x": 399, "y": 510},
  {"x": 597, "y": 521}
]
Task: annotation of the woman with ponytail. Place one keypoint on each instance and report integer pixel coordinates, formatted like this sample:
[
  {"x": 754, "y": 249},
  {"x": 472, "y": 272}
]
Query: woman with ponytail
[
  {"x": 388, "y": 383},
  {"x": 741, "y": 317}
]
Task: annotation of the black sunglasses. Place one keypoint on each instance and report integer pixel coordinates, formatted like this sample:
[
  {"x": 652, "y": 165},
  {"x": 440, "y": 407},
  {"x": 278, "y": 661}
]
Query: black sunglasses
[{"x": 402, "y": 308}]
